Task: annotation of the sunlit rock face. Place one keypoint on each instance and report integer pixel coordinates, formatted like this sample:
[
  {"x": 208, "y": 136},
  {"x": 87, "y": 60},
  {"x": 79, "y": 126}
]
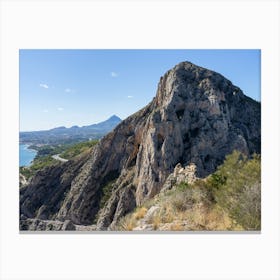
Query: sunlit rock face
[{"x": 197, "y": 117}]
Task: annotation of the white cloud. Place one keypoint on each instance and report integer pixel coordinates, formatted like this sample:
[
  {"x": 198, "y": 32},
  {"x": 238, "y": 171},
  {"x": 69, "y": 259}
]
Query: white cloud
[
  {"x": 130, "y": 96},
  {"x": 44, "y": 86},
  {"x": 45, "y": 111},
  {"x": 114, "y": 74},
  {"x": 68, "y": 90},
  {"x": 60, "y": 109}
]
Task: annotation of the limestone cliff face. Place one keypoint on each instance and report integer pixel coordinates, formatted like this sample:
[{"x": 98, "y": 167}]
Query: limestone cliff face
[{"x": 197, "y": 117}]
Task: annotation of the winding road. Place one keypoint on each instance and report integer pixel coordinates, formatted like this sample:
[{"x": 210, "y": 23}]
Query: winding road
[{"x": 57, "y": 157}]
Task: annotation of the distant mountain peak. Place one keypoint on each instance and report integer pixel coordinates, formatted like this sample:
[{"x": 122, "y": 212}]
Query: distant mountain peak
[
  {"x": 74, "y": 126},
  {"x": 112, "y": 121},
  {"x": 58, "y": 128},
  {"x": 74, "y": 132},
  {"x": 114, "y": 117}
]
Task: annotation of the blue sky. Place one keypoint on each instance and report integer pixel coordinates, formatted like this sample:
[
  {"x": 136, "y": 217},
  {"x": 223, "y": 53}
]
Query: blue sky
[{"x": 82, "y": 87}]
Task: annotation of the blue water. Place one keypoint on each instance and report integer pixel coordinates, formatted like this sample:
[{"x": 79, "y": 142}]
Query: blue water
[{"x": 25, "y": 155}]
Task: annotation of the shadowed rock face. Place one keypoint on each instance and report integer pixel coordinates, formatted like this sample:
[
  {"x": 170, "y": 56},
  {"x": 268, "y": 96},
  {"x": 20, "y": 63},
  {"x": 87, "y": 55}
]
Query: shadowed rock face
[{"x": 197, "y": 117}]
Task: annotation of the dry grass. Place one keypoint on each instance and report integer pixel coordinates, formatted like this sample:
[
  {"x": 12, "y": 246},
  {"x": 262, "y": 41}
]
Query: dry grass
[
  {"x": 168, "y": 214},
  {"x": 140, "y": 213},
  {"x": 156, "y": 221},
  {"x": 198, "y": 217},
  {"x": 195, "y": 217},
  {"x": 180, "y": 202},
  {"x": 226, "y": 200},
  {"x": 202, "y": 217},
  {"x": 127, "y": 223},
  {"x": 187, "y": 209},
  {"x": 176, "y": 226},
  {"x": 217, "y": 219}
]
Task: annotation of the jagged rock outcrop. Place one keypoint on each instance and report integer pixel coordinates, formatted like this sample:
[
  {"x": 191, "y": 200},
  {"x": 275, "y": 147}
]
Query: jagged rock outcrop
[
  {"x": 22, "y": 180},
  {"x": 51, "y": 225},
  {"x": 197, "y": 117},
  {"x": 43, "y": 196},
  {"x": 179, "y": 175}
]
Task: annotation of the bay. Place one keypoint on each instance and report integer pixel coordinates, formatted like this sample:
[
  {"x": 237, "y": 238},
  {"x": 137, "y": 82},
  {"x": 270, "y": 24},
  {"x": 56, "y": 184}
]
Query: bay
[{"x": 26, "y": 155}]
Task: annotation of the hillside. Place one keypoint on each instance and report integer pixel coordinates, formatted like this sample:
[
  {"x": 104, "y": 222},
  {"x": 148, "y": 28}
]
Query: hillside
[
  {"x": 46, "y": 154},
  {"x": 197, "y": 118},
  {"x": 63, "y": 135},
  {"x": 229, "y": 199}
]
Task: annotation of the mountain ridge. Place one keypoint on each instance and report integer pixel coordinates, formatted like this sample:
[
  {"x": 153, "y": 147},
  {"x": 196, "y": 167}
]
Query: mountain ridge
[
  {"x": 114, "y": 118},
  {"x": 94, "y": 131},
  {"x": 196, "y": 118}
]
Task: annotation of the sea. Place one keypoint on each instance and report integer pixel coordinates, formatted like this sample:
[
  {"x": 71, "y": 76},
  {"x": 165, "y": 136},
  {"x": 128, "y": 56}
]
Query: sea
[{"x": 26, "y": 155}]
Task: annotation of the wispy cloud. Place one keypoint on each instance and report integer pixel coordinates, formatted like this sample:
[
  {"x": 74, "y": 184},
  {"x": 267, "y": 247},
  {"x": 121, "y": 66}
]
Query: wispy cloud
[
  {"x": 130, "y": 96},
  {"x": 114, "y": 74},
  {"x": 44, "y": 86},
  {"x": 60, "y": 109},
  {"x": 68, "y": 90},
  {"x": 45, "y": 110}
]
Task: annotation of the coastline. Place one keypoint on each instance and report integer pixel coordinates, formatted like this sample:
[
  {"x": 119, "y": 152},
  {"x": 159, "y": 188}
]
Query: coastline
[
  {"x": 26, "y": 159},
  {"x": 28, "y": 145}
]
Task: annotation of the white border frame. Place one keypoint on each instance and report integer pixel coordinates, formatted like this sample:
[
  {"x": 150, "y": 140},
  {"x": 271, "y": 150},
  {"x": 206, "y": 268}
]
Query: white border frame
[{"x": 139, "y": 24}]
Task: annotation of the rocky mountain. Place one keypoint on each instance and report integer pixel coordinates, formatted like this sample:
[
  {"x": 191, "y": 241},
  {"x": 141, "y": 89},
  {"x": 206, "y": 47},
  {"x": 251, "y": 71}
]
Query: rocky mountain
[
  {"x": 195, "y": 120},
  {"x": 74, "y": 133},
  {"x": 107, "y": 125}
]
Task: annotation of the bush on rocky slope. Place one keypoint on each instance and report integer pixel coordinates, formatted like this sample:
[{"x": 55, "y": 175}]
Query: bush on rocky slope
[
  {"x": 229, "y": 199},
  {"x": 239, "y": 190}
]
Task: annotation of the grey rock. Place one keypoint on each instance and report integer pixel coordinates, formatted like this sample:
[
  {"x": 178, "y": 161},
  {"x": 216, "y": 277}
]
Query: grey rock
[
  {"x": 180, "y": 174},
  {"x": 68, "y": 225},
  {"x": 40, "y": 225},
  {"x": 43, "y": 196},
  {"x": 22, "y": 181},
  {"x": 197, "y": 117},
  {"x": 52, "y": 225},
  {"x": 120, "y": 203}
]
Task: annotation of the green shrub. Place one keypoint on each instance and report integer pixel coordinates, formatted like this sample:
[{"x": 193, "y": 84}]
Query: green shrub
[
  {"x": 182, "y": 186},
  {"x": 78, "y": 148},
  {"x": 44, "y": 155},
  {"x": 229, "y": 199},
  {"x": 106, "y": 193},
  {"x": 185, "y": 195},
  {"x": 239, "y": 190},
  {"x": 38, "y": 164}
]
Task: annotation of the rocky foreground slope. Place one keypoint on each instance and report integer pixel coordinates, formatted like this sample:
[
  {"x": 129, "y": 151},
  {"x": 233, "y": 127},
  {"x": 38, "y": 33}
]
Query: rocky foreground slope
[{"x": 196, "y": 118}]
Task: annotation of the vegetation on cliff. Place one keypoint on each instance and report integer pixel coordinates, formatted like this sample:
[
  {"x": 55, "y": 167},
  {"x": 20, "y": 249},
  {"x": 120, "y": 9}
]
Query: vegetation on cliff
[
  {"x": 38, "y": 163},
  {"x": 229, "y": 199},
  {"x": 77, "y": 149},
  {"x": 44, "y": 156}
]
